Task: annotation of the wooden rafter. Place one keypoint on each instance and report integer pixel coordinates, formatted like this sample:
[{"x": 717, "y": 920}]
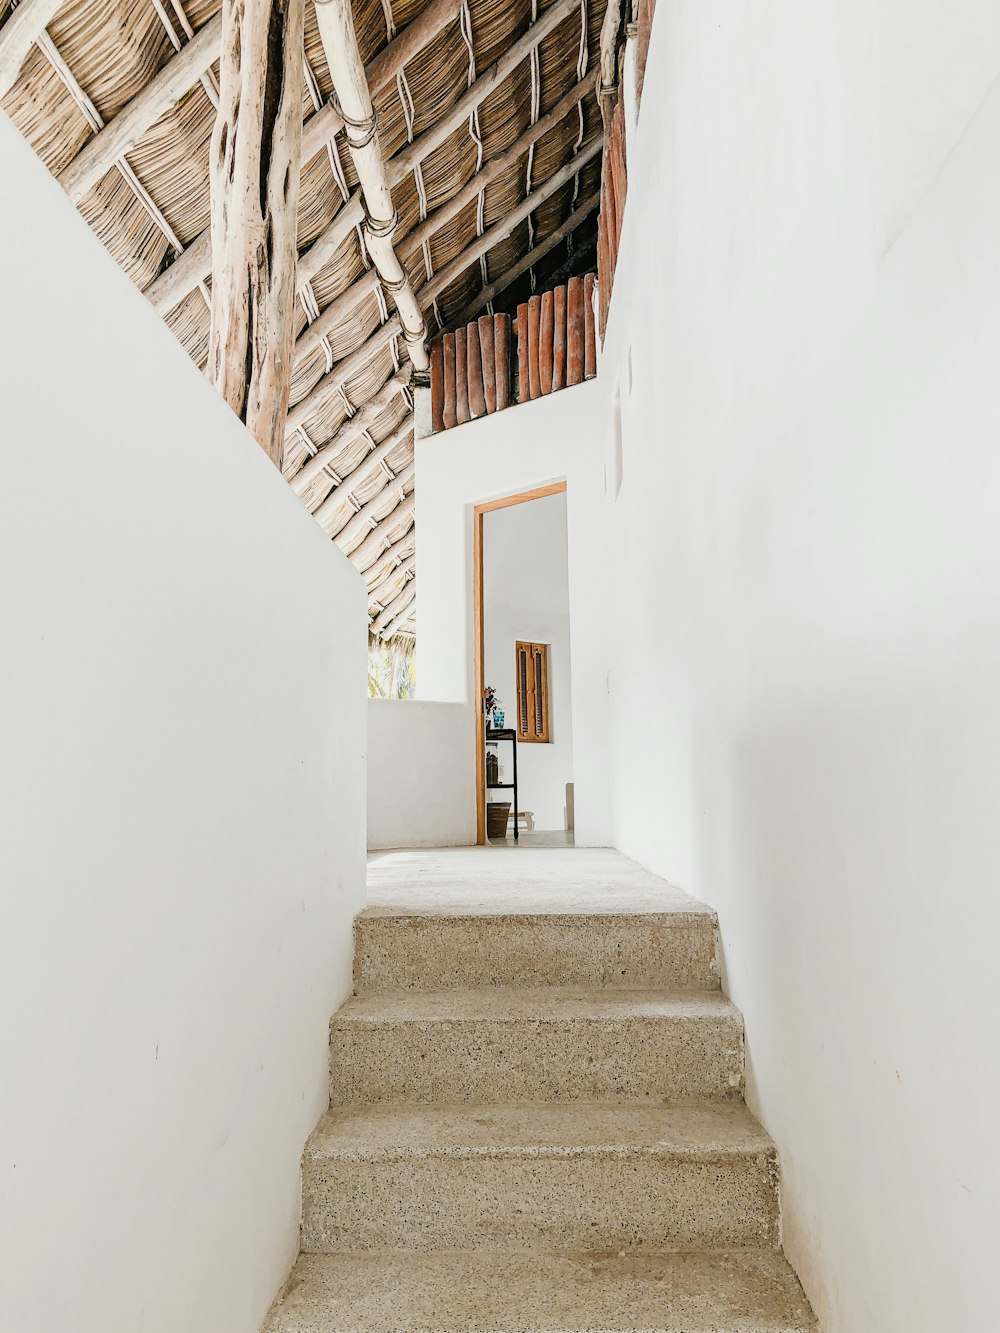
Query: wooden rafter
[
  {"x": 375, "y": 545},
  {"x": 195, "y": 264},
  {"x": 164, "y": 91},
  {"x": 364, "y": 472},
  {"x": 353, "y": 427},
  {"x": 343, "y": 371},
  {"x": 22, "y": 29},
  {"x": 408, "y": 159},
  {"x": 255, "y": 195},
  {"x": 399, "y": 603},
  {"x": 483, "y": 244},
  {"x": 492, "y": 290},
  {"x": 358, "y": 527},
  {"x": 391, "y": 575}
]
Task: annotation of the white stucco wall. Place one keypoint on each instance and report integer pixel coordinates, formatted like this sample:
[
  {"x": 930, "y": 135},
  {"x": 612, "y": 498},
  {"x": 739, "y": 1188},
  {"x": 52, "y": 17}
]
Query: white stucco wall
[
  {"x": 182, "y": 720},
  {"x": 552, "y": 439},
  {"x": 806, "y": 564},
  {"x": 420, "y": 793},
  {"x": 526, "y": 597}
]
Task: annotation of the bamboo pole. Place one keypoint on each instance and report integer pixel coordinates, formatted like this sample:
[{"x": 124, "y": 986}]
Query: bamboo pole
[
  {"x": 255, "y": 196},
  {"x": 351, "y": 428},
  {"x": 340, "y": 42},
  {"x": 558, "y": 339},
  {"x": 409, "y": 158},
  {"x": 501, "y": 352},
  {"x": 23, "y": 27},
  {"x": 488, "y": 359},
  {"x": 493, "y": 290}
]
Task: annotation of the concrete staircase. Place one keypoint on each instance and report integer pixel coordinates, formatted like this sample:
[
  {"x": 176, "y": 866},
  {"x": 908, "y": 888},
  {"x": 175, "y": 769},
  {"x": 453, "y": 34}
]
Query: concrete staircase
[{"x": 537, "y": 1123}]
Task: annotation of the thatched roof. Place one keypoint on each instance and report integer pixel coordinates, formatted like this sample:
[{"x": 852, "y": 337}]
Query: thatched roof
[{"x": 121, "y": 111}]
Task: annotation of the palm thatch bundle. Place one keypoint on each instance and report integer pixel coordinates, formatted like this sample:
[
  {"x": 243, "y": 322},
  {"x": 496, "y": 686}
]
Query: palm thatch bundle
[{"x": 118, "y": 99}]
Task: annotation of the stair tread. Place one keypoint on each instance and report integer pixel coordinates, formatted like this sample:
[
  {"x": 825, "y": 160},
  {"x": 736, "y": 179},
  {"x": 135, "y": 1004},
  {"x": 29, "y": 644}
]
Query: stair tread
[
  {"x": 701, "y": 1291},
  {"x": 544, "y": 1004},
  {"x": 706, "y": 1131},
  {"x": 684, "y": 910}
]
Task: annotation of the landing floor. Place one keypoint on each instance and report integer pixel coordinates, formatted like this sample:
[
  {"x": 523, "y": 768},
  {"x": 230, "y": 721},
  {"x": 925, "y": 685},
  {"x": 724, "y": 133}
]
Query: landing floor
[{"x": 483, "y": 880}]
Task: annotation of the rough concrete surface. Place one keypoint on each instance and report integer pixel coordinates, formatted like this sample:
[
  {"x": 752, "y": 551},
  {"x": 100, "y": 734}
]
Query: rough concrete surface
[{"x": 537, "y": 1122}]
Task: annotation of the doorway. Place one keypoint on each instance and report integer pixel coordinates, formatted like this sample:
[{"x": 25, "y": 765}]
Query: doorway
[{"x": 522, "y": 653}]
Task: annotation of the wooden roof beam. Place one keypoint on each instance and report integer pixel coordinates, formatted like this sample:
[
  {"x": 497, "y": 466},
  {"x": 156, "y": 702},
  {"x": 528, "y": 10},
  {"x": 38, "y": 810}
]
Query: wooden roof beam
[
  {"x": 497, "y": 166},
  {"x": 343, "y": 370},
  {"x": 482, "y": 244},
  {"x": 493, "y": 289},
  {"x": 171, "y": 286},
  {"x": 375, "y": 545},
  {"x": 357, "y": 528},
  {"x": 368, "y": 466},
  {"x": 389, "y": 559},
  {"x": 399, "y": 603},
  {"x": 391, "y": 571},
  {"x": 255, "y": 168},
  {"x": 406, "y": 608},
  {"x": 163, "y": 91},
  {"x": 351, "y": 428},
  {"x": 24, "y": 26},
  {"x": 400, "y": 166}
]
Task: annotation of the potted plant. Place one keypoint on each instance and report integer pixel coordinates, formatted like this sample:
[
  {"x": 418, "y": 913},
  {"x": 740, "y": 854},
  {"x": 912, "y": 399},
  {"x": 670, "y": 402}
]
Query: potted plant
[{"x": 491, "y": 706}]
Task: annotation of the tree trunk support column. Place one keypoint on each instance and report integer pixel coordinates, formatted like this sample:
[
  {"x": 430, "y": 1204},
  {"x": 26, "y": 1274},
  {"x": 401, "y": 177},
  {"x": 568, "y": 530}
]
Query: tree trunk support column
[{"x": 256, "y": 149}]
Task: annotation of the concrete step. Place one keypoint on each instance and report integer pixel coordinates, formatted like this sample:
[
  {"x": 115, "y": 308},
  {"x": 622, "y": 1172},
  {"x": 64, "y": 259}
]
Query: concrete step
[
  {"x": 560, "y": 1044},
  {"x": 609, "y": 1177},
  {"x": 674, "y": 950},
  {"x": 727, "y": 1291}
]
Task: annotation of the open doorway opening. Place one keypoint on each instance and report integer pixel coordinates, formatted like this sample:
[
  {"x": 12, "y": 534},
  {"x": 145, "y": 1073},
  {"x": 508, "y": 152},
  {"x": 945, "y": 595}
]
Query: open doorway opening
[{"x": 525, "y": 744}]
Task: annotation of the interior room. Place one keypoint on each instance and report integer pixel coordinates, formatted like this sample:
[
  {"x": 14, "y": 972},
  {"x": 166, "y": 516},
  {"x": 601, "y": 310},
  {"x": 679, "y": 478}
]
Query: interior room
[{"x": 526, "y": 652}]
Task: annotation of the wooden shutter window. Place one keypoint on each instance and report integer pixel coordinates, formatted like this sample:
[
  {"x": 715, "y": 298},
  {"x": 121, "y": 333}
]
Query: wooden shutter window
[{"x": 533, "y": 692}]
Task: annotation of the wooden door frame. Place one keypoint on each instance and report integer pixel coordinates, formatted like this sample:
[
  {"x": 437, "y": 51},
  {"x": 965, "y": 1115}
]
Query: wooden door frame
[{"x": 478, "y": 644}]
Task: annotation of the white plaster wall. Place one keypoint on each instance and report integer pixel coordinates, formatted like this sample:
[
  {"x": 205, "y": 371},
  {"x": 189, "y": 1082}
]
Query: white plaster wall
[
  {"x": 806, "y": 720},
  {"x": 419, "y": 790},
  {"x": 526, "y": 597},
  {"x": 552, "y": 439},
  {"x": 182, "y": 721}
]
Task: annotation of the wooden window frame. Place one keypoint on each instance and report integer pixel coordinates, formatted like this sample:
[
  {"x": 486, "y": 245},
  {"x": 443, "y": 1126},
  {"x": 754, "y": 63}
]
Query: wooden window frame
[
  {"x": 533, "y": 720},
  {"x": 478, "y": 648}
]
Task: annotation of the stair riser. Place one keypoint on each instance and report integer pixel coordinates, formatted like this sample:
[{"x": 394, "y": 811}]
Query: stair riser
[
  {"x": 598, "y": 1202},
  {"x": 444, "y": 953},
  {"x": 485, "y": 1060}
]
